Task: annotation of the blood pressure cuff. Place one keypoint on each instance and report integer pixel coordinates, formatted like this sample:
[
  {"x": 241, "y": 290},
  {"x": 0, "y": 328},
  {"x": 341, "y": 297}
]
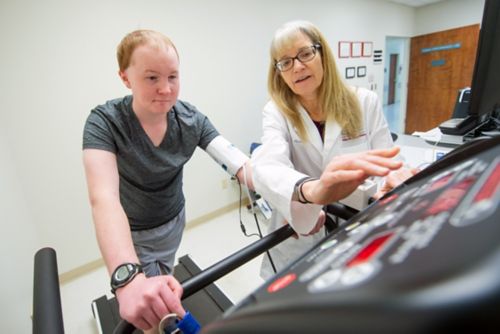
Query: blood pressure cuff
[{"x": 226, "y": 154}]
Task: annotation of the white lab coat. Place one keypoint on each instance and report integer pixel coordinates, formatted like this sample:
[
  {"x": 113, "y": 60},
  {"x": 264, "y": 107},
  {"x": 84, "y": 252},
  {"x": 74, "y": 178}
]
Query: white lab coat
[{"x": 283, "y": 159}]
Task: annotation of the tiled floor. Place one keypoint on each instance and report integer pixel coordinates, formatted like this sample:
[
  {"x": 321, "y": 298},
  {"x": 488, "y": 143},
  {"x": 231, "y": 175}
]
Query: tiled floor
[{"x": 206, "y": 244}]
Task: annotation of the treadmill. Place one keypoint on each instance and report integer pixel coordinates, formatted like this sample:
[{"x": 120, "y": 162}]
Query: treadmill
[{"x": 423, "y": 259}]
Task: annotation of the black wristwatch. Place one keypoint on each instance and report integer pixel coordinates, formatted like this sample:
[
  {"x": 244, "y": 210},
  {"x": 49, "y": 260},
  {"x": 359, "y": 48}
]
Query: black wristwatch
[{"x": 124, "y": 274}]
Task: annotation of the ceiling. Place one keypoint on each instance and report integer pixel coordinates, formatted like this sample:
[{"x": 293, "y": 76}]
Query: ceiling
[{"x": 415, "y": 3}]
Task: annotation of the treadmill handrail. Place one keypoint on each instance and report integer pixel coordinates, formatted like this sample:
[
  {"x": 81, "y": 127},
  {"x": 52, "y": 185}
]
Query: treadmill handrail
[
  {"x": 341, "y": 210},
  {"x": 47, "y": 309},
  {"x": 223, "y": 267}
]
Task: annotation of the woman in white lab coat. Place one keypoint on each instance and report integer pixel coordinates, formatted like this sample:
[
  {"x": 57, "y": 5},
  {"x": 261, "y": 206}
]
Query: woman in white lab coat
[{"x": 312, "y": 121}]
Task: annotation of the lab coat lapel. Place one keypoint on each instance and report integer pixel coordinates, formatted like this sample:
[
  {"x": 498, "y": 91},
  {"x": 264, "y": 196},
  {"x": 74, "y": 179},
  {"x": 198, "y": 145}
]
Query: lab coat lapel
[
  {"x": 312, "y": 131},
  {"x": 333, "y": 140},
  {"x": 332, "y": 137}
]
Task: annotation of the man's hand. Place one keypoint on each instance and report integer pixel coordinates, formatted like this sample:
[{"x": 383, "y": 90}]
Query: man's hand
[
  {"x": 146, "y": 300},
  {"x": 346, "y": 172}
]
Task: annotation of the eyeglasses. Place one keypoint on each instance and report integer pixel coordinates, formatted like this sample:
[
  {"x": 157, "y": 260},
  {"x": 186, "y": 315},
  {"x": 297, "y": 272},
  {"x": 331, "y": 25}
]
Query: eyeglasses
[{"x": 304, "y": 55}]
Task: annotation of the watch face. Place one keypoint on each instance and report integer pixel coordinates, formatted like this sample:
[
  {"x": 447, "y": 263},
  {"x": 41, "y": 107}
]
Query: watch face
[{"x": 123, "y": 273}]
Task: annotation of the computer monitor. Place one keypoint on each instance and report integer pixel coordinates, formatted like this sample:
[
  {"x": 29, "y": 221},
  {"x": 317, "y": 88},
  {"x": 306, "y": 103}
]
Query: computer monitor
[{"x": 485, "y": 88}]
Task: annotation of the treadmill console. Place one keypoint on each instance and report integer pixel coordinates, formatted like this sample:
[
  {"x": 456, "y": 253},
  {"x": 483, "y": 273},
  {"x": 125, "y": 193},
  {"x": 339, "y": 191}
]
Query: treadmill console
[{"x": 423, "y": 259}]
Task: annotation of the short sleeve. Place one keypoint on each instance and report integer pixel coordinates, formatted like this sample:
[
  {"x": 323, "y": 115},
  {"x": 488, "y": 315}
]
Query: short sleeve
[
  {"x": 208, "y": 131},
  {"x": 97, "y": 134}
]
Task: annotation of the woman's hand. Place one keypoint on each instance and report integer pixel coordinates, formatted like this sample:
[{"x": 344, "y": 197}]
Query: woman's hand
[
  {"x": 319, "y": 224},
  {"x": 394, "y": 179},
  {"x": 346, "y": 172}
]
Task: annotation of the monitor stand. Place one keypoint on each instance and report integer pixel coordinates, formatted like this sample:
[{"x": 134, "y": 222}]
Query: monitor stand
[
  {"x": 489, "y": 128},
  {"x": 446, "y": 140}
]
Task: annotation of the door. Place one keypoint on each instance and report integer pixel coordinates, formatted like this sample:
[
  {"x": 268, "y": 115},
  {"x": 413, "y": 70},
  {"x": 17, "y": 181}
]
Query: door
[
  {"x": 440, "y": 64},
  {"x": 392, "y": 78}
]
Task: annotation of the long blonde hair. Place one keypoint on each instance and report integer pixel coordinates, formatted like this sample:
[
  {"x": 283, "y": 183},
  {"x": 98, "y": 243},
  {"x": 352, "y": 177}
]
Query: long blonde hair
[{"x": 336, "y": 99}]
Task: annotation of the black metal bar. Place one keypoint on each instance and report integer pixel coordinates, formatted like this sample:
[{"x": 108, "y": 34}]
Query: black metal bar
[
  {"x": 340, "y": 210},
  {"x": 47, "y": 309},
  {"x": 223, "y": 267}
]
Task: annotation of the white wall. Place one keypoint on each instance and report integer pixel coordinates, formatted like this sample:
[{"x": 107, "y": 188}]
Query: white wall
[
  {"x": 58, "y": 62},
  {"x": 448, "y": 15},
  {"x": 17, "y": 247}
]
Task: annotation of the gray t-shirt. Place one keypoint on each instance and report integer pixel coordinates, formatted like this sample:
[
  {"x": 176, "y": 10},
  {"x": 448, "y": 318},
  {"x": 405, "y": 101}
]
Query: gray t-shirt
[{"x": 150, "y": 177}]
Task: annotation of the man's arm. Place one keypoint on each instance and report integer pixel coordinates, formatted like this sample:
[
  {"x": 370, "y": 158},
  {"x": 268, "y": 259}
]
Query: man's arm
[
  {"x": 231, "y": 159},
  {"x": 144, "y": 301},
  {"x": 111, "y": 223}
]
